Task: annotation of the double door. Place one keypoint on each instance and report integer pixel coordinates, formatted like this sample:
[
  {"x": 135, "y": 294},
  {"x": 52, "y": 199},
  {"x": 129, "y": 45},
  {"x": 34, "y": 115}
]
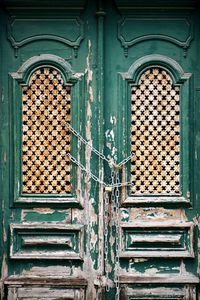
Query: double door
[{"x": 100, "y": 150}]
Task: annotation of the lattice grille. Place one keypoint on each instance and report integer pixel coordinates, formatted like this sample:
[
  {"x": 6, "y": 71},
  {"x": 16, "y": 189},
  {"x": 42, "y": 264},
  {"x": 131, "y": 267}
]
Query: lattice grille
[
  {"x": 155, "y": 139},
  {"x": 46, "y": 141}
]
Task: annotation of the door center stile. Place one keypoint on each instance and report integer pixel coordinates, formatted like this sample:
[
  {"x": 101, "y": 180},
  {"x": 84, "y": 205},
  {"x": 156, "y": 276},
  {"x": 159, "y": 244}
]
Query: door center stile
[{"x": 111, "y": 204}]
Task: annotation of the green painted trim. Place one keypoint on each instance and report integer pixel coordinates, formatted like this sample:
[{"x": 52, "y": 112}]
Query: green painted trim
[
  {"x": 127, "y": 5},
  {"x": 170, "y": 65},
  {"x": 47, "y": 4},
  {"x": 100, "y": 98},
  {"x": 17, "y": 80},
  {"x": 179, "y": 77},
  {"x": 53, "y": 37},
  {"x": 25, "y": 71},
  {"x": 157, "y": 16}
]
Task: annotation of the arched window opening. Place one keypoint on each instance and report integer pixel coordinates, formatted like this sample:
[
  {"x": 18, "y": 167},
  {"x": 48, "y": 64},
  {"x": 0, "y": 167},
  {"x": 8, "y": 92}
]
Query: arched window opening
[
  {"x": 155, "y": 134},
  {"x": 45, "y": 138}
]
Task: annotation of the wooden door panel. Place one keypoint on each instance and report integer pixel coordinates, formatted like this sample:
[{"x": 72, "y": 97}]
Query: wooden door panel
[
  {"x": 45, "y": 241},
  {"x": 45, "y": 288},
  {"x": 100, "y": 143},
  {"x": 156, "y": 240},
  {"x": 141, "y": 128},
  {"x": 164, "y": 293},
  {"x": 47, "y": 195},
  {"x": 36, "y": 293}
]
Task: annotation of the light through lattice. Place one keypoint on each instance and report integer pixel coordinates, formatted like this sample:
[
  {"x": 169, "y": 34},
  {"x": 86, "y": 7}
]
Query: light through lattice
[
  {"x": 46, "y": 140},
  {"x": 155, "y": 134}
]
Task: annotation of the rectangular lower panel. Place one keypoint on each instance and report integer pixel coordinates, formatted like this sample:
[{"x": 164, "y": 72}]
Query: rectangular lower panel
[
  {"x": 156, "y": 239},
  {"x": 46, "y": 241},
  {"x": 38, "y": 293},
  {"x": 159, "y": 293}
]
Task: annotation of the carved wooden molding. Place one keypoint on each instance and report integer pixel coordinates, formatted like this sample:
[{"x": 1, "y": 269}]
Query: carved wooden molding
[
  {"x": 24, "y": 72},
  {"x": 155, "y": 26},
  {"x": 129, "y": 80},
  {"x": 19, "y": 79},
  {"x": 160, "y": 293},
  {"x": 48, "y": 281},
  {"x": 52, "y": 241},
  {"x": 144, "y": 239},
  {"x": 139, "y": 66},
  {"x": 185, "y": 278},
  {"x": 48, "y": 31},
  {"x": 34, "y": 293},
  {"x": 37, "y": 286},
  {"x": 46, "y": 4},
  {"x": 127, "y": 5},
  {"x": 52, "y": 20}
]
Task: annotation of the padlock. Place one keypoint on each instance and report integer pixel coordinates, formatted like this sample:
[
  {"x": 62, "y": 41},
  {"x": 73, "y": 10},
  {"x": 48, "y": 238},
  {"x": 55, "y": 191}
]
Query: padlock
[{"x": 108, "y": 189}]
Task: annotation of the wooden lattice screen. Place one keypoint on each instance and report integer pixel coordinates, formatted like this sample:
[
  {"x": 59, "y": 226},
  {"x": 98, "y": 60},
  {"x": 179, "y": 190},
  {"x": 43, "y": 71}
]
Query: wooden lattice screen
[
  {"x": 155, "y": 136},
  {"x": 46, "y": 139}
]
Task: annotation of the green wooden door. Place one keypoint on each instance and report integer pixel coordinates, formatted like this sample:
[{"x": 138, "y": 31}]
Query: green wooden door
[{"x": 99, "y": 149}]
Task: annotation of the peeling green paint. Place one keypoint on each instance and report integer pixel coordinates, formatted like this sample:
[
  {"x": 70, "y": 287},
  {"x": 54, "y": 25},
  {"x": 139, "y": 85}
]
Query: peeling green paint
[{"x": 109, "y": 59}]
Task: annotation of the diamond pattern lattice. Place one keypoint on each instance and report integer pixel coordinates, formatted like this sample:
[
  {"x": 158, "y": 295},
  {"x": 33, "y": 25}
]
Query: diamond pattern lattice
[
  {"x": 155, "y": 134},
  {"x": 46, "y": 141}
]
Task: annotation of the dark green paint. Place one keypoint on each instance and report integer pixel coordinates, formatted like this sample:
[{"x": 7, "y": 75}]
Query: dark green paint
[{"x": 102, "y": 50}]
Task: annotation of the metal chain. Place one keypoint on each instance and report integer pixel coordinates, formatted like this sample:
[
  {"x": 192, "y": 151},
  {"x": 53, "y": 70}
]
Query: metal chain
[
  {"x": 124, "y": 161},
  {"x": 115, "y": 196},
  {"x": 101, "y": 155},
  {"x": 79, "y": 136},
  {"x": 117, "y": 224},
  {"x": 106, "y": 224},
  {"x": 94, "y": 177}
]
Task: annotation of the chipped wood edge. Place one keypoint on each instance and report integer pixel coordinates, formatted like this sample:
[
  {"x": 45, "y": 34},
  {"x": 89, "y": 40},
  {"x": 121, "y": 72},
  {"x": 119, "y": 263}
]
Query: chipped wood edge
[
  {"x": 57, "y": 227},
  {"x": 187, "y": 278}
]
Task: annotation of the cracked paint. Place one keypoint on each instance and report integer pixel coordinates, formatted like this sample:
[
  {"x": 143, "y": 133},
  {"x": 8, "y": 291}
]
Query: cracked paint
[
  {"x": 157, "y": 214},
  {"x": 88, "y": 210},
  {"x": 124, "y": 215},
  {"x": 45, "y": 215},
  {"x": 143, "y": 267},
  {"x": 113, "y": 120},
  {"x": 90, "y": 215},
  {"x": 49, "y": 271}
]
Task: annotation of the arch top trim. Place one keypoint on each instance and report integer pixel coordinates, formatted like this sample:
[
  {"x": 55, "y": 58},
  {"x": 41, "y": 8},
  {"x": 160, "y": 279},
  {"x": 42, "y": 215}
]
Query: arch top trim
[
  {"x": 155, "y": 60},
  {"x": 28, "y": 67}
]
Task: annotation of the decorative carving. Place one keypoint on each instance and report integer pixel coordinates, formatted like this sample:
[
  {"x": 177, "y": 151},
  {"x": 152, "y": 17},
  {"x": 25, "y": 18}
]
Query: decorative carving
[
  {"x": 46, "y": 241},
  {"x": 24, "y": 30},
  {"x": 130, "y": 5},
  {"x": 22, "y": 75},
  {"x": 131, "y": 82},
  {"x": 179, "y": 76},
  {"x": 20, "y": 80},
  {"x": 156, "y": 240},
  {"x": 71, "y": 5},
  {"x": 148, "y": 27}
]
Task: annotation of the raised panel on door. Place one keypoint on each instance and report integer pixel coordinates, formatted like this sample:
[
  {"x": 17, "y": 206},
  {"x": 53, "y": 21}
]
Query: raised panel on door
[
  {"x": 100, "y": 149},
  {"x": 150, "y": 114},
  {"x": 52, "y": 239}
]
